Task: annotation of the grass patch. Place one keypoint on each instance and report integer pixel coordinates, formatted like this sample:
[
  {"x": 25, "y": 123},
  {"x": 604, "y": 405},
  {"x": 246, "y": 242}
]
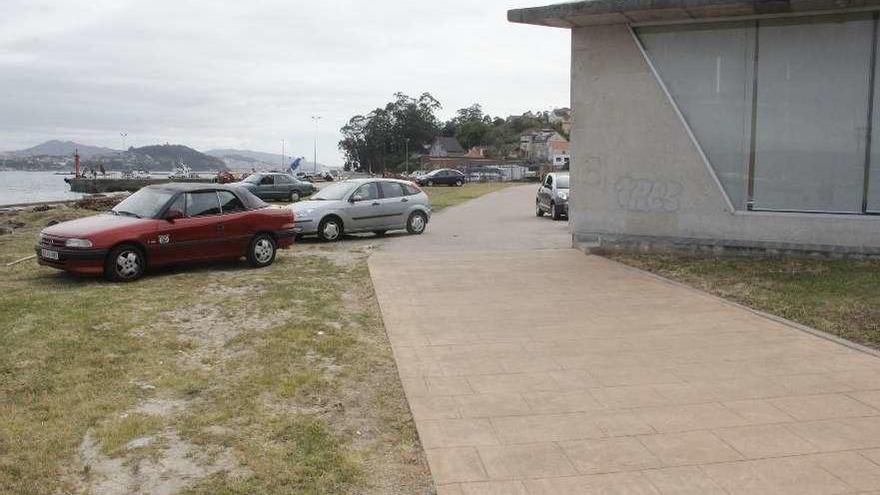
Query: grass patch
[
  {"x": 114, "y": 434},
  {"x": 286, "y": 370},
  {"x": 446, "y": 196},
  {"x": 841, "y": 297}
]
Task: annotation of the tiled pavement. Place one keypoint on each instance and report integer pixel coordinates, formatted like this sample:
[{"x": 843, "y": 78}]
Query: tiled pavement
[{"x": 553, "y": 372}]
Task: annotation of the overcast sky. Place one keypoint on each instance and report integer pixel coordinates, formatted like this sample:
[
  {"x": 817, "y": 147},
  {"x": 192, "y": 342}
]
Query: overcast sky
[{"x": 248, "y": 74}]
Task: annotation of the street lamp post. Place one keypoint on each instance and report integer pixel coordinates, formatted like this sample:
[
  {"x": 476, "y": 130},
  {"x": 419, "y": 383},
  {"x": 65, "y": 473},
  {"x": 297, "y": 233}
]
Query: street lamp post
[
  {"x": 282, "y": 155},
  {"x": 407, "y": 155},
  {"x": 315, "y": 119},
  {"x": 124, "y": 135}
]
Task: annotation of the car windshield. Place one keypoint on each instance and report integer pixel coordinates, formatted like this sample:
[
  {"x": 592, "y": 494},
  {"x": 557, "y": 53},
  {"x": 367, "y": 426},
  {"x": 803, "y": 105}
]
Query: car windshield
[
  {"x": 253, "y": 179},
  {"x": 334, "y": 192},
  {"x": 562, "y": 182},
  {"x": 146, "y": 203}
]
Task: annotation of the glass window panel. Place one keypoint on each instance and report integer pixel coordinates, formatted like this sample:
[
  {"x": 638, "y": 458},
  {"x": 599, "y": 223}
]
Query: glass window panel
[
  {"x": 708, "y": 69},
  {"x": 812, "y": 113}
]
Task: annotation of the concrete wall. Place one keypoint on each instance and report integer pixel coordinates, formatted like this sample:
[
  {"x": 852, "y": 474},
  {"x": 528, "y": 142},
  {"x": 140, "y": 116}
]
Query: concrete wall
[{"x": 637, "y": 176}]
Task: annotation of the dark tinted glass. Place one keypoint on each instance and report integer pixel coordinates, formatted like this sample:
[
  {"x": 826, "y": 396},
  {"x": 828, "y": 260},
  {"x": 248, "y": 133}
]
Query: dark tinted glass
[
  {"x": 230, "y": 203},
  {"x": 202, "y": 203},
  {"x": 392, "y": 190}
]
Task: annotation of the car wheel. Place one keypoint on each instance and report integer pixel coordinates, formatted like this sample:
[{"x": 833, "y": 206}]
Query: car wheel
[
  {"x": 261, "y": 251},
  {"x": 330, "y": 229},
  {"x": 459, "y": 183},
  {"x": 294, "y": 196},
  {"x": 538, "y": 211},
  {"x": 125, "y": 263},
  {"x": 429, "y": 183},
  {"x": 554, "y": 213},
  {"x": 379, "y": 233},
  {"x": 416, "y": 223}
]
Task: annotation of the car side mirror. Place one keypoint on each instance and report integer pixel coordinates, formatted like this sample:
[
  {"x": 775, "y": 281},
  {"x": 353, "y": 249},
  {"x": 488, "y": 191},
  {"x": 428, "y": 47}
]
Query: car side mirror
[
  {"x": 173, "y": 215},
  {"x": 356, "y": 197}
]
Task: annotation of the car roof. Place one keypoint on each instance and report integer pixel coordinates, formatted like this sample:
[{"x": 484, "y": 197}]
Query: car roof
[{"x": 193, "y": 186}]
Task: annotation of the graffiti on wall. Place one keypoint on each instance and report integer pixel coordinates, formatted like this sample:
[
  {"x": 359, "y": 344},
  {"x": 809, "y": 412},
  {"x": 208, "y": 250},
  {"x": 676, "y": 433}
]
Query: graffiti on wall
[{"x": 648, "y": 195}]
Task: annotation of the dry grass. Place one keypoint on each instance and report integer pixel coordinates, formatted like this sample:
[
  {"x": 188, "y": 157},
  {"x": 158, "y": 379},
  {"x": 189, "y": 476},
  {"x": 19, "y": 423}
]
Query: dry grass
[
  {"x": 841, "y": 297},
  {"x": 445, "y": 196},
  {"x": 271, "y": 381}
]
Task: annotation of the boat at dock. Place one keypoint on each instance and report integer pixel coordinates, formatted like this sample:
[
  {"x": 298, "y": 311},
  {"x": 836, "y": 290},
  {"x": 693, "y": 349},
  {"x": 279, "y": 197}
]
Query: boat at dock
[{"x": 95, "y": 183}]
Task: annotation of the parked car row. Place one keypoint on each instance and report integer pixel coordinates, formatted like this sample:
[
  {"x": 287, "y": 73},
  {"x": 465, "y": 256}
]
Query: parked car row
[{"x": 174, "y": 223}]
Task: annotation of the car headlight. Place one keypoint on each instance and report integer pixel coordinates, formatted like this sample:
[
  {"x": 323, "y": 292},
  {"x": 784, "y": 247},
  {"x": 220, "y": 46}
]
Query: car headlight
[
  {"x": 304, "y": 213},
  {"x": 563, "y": 196},
  {"x": 78, "y": 243}
]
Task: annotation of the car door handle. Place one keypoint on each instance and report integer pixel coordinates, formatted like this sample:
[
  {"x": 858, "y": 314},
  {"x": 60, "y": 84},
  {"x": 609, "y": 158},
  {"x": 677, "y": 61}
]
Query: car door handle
[
  {"x": 220, "y": 228},
  {"x": 404, "y": 200},
  {"x": 376, "y": 203}
]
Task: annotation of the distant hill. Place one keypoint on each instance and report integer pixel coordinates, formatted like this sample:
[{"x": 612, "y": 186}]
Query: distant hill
[
  {"x": 61, "y": 148},
  {"x": 247, "y": 159},
  {"x": 167, "y": 156}
]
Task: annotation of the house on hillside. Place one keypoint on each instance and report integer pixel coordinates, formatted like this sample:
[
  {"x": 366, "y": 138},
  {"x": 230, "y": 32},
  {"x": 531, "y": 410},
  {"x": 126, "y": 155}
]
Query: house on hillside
[
  {"x": 561, "y": 116},
  {"x": 723, "y": 125},
  {"x": 544, "y": 146},
  {"x": 445, "y": 147}
]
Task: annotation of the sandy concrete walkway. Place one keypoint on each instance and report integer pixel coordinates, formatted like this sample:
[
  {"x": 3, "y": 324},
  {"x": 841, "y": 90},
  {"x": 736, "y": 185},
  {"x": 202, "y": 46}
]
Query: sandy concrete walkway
[{"x": 547, "y": 371}]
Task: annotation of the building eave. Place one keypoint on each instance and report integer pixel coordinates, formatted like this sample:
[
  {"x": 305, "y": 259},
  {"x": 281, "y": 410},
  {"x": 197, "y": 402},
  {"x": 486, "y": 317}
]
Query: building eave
[{"x": 598, "y": 12}]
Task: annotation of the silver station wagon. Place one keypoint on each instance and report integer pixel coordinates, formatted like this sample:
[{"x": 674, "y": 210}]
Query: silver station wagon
[{"x": 363, "y": 205}]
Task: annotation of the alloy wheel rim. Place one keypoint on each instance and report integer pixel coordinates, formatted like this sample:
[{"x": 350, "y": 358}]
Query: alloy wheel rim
[
  {"x": 331, "y": 230},
  {"x": 263, "y": 250},
  {"x": 294, "y": 196},
  {"x": 418, "y": 223},
  {"x": 127, "y": 264}
]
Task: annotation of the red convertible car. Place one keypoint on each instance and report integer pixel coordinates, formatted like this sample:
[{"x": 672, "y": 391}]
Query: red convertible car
[{"x": 165, "y": 224}]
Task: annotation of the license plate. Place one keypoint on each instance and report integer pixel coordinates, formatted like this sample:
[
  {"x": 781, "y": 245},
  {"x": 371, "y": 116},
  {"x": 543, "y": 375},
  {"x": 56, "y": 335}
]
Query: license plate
[{"x": 48, "y": 254}]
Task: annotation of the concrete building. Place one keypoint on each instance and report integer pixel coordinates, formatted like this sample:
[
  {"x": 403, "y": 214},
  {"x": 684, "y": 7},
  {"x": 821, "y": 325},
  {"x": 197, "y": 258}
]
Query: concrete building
[{"x": 723, "y": 123}]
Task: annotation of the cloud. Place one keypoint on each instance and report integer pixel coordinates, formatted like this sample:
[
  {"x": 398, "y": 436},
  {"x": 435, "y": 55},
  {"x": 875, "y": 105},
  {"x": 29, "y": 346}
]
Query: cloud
[{"x": 248, "y": 74}]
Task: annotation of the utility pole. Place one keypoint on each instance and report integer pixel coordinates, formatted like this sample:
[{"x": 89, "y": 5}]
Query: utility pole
[
  {"x": 315, "y": 119},
  {"x": 282, "y": 155},
  {"x": 407, "y": 155}
]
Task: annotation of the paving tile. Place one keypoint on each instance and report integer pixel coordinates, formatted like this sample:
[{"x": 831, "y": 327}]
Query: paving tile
[
  {"x": 634, "y": 483},
  {"x": 696, "y": 447},
  {"x": 690, "y": 417},
  {"x": 427, "y": 407},
  {"x": 783, "y": 476},
  {"x": 760, "y": 441},
  {"x": 512, "y": 383},
  {"x": 840, "y": 434},
  {"x": 452, "y": 489},
  {"x": 871, "y": 397},
  {"x": 487, "y": 405},
  {"x": 545, "y": 428},
  {"x": 447, "y": 385},
  {"x": 683, "y": 481},
  {"x": 526, "y": 461},
  {"x": 872, "y": 454},
  {"x": 826, "y": 406},
  {"x": 561, "y": 402},
  {"x": 817, "y": 383},
  {"x": 626, "y": 397},
  {"x": 454, "y": 465},
  {"x": 757, "y": 411},
  {"x": 456, "y": 433},
  {"x": 494, "y": 488},
  {"x": 855, "y": 470},
  {"x": 607, "y": 455}
]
